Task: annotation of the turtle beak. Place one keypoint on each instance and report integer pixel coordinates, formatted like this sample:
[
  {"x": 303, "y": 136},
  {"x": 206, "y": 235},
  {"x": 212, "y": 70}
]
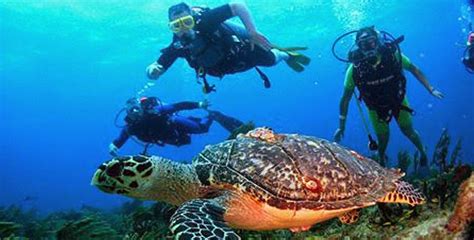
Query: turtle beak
[
  {"x": 107, "y": 176},
  {"x": 99, "y": 179}
]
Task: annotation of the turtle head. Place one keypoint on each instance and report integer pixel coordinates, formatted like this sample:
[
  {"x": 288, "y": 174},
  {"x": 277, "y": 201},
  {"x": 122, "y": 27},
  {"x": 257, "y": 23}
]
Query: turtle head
[
  {"x": 147, "y": 178},
  {"x": 126, "y": 175}
]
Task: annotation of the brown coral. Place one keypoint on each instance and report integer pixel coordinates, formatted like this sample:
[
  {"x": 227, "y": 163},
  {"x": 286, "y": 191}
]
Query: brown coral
[{"x": 464, "y": 209}]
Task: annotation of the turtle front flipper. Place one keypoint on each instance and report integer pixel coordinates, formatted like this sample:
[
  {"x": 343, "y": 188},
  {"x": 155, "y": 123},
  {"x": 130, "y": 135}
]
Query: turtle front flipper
[
  {"x": 403, "y": 193},
  {"x": 350, "y": 217},
  {"x": 201, "y": 219}
]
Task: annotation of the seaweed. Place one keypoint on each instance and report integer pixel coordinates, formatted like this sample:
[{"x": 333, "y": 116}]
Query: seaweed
[
  {"x": 456, "y": 154},
  {"x": 441, "y": 151},
  {"x": 8, "y": 229},
  {"x": 404, "y": 161},
  {"x": 86, "y": 228},
  {"x": 150, "y": 222},
  {"x": 129, "y": 207},
  {"x": 416, "y": 162}
]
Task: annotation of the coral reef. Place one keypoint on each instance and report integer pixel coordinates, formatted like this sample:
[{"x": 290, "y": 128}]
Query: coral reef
[{"x": 464, "y": 209}]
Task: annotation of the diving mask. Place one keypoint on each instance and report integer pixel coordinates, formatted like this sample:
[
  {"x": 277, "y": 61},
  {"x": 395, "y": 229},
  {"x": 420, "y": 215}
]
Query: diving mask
[
  {"x": 182, "y": 24},
  {"x": 369, "y": 43},
  {"x": 369, "y": 46}
]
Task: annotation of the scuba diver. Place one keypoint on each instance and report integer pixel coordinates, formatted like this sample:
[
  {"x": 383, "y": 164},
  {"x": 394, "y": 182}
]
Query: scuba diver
[
  {"x": 376, "y": 69},
  {"x": 154, "y": 122},
  {"x": 468, "y": 59},
  {"x": 214, "y": 47}
]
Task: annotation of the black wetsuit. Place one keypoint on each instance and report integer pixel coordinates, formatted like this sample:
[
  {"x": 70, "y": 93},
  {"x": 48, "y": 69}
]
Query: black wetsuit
[
  {"x": 468, "y": 59},
  {"x": 219, "y": 48},
  {"x": 162, "y": 126}
]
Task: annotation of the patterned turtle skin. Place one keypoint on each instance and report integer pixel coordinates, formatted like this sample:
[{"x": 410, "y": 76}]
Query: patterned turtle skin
[{"x": 293, "y": 172}]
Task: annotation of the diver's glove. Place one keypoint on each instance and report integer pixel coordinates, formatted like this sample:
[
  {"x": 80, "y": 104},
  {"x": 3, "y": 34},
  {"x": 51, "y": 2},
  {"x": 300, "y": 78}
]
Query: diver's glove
[
  {"x": 113, "y": 150},
  {"x": 436, "y": 93},
  {"x": 206, "y": 88},
  {"x": 204, "y": 104},
  {"x": 154, "y": 70}
]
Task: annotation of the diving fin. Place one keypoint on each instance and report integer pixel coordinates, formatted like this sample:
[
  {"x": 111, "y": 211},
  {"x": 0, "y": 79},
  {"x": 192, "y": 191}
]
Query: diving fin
[
  {"x": 297, "y": 61},
  {"x": 264, "y": 77},
  {"x": 290, "y": 49}
]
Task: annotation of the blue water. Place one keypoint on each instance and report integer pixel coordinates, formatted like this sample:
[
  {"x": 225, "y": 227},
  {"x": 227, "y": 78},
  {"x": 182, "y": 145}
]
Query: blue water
[{"x": 67, "y": 67}]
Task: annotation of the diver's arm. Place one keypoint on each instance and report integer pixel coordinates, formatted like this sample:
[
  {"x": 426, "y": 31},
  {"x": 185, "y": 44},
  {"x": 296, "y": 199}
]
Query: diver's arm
[
  {"x": 167, "y": 58},
  {"x": 344, "y": 104},
  {"x": 349, "y": 87},
  {"x": 176, "y": 107},
  {"x": 122, "y": 139},
  {"x": 413, "y": 69},
  {"x": 344, "y": 107},
  {"x": 241, "y": 10},
  {"x": 220, "y": 14}
]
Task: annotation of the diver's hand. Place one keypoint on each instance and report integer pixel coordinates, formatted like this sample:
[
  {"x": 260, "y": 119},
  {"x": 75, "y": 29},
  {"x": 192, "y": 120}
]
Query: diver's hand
[
  {"x": 204, "y": 104},
  {"x": 154, "y": 70},
  {"x": 113, "y": 150},
  {"x": 259, "y": 39},
  {"x": 338, "y": 135},
  {"x": 437, "y": 93}
]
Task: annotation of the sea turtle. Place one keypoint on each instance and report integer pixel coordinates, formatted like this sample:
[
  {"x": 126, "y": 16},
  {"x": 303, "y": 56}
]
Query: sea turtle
[{"x": 259, "y": 181}]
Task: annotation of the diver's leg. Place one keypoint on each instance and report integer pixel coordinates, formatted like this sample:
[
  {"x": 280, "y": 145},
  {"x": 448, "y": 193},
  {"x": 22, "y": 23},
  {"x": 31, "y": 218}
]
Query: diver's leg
[
  {"x": 193, "y": 125},
  {"x": 279, "y": 55},
  {"x": 262, "y": 57},
  {"x": 227, "y": 122},
  {"x": 382, "y": 131},
  {"x": 405, "y": 123}
]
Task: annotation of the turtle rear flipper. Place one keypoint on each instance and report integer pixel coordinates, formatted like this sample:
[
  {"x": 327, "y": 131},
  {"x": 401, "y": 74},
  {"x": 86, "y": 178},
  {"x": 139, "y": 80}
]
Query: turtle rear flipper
[
  {"x": 404, "y": 193},
  {"x": 350, "y": 217},
  {"x": 201, "y": 219}
]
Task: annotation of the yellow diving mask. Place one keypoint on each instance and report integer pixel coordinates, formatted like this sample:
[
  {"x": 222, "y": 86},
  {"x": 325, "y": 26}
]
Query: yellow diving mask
[{"x": 182, "y": 24}]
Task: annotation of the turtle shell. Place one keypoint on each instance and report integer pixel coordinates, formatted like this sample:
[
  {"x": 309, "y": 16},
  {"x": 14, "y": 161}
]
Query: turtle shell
[{"x": 294, "y": 172}]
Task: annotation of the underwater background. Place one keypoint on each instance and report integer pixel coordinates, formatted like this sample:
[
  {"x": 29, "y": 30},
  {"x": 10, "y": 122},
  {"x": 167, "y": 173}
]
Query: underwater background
[{"x": 67, "y": 68}]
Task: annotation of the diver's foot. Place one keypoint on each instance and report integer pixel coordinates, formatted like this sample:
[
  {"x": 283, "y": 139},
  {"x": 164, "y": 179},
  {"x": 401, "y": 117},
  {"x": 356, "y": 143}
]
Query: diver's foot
[{"x": 297, "y": 61}]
